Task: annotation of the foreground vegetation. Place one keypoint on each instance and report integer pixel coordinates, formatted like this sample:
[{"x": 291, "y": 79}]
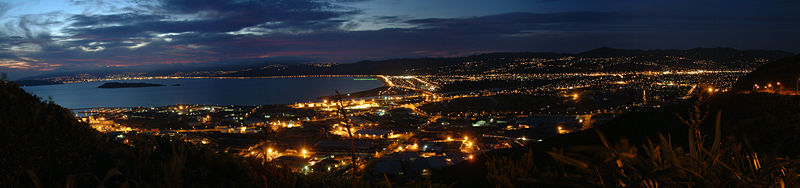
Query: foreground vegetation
[
  {"x": 43, "y": 145},
  {"x": 659, "y": 163},
  {"x": 723, "y": 141}
]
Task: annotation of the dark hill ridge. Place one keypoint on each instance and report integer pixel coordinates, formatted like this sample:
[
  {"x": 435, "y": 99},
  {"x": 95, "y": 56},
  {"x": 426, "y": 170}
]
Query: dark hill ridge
[
  {"x": 47, "y": 139},
  {"x": 508, "y": 62},
  {"x": 767, "y": 123},
  {"x": 718, "y": 53},
  {"x": 786, "y": 70},
  {"x": 708, "y": 58},
  {"x": 43, "y": 145},
  {"x": 35, "y": 82}
]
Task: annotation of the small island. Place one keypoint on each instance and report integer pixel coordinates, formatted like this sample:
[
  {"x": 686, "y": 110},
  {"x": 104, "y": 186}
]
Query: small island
[{"x": 127, "y": 85}]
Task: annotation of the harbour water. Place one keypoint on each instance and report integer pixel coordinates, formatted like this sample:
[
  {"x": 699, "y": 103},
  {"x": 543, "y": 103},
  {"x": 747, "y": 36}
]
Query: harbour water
[{"x": 256, "y": 91}]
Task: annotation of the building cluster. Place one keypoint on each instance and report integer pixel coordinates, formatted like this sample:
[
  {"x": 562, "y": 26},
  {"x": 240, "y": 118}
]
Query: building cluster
[{"x": 444, "y": 120}]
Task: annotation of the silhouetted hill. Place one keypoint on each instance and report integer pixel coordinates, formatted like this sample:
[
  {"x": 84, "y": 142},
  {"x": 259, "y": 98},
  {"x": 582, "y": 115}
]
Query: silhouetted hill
[
  {"x": 720, "y": 54},
  {"x": 35, "y": 82},
  {"x": 42, "y": 144},
  {"x": 765, "y": 123},
  {"x": 519, "y": 62},
  {"x": 598, "y": 60},
  {"x": 786, "y": 71},
  {"x": 402, "y": 66},
  {"x": 46, "y": 139},
  {"x": 610, "y": 52}
]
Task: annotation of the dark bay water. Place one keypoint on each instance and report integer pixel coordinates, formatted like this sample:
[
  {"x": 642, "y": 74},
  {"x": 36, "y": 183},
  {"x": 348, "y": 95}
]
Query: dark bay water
[{"x": 200, "y": 91}]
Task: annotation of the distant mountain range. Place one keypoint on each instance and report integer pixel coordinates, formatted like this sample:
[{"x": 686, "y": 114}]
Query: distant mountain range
[
  {"x": 532, "y": 62},
  {"x": 707, "y": 53},
  {"x": 598, "y": 60}
]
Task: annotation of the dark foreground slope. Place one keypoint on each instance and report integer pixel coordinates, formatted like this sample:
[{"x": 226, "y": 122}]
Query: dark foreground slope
[
  {"x": 769, "y": 123},
  {"x": 786, "y": 71},
  {"x": 45, "y": 139},
  {"x": 43, "y": 144},
  {"x": 752, "y": 126}
]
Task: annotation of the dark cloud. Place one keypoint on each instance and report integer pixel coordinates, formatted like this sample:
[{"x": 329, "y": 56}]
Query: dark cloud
[
  {"x": 529, "y": 18},
  {"x": 209, "y": 31},
  {"x": 93, "y": 6},
  {"x": 122, "y": 19},
  {"x": 176, "y": 16}
]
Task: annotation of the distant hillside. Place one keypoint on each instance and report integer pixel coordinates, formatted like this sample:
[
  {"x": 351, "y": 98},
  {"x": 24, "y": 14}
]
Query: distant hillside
[
  {"x": 530, "y": 62},
  {"x": 35, "y": 82},
  {"x": 403, "y": 66},
  {"x": 786, "y": 71},
  {"x": 597, "y": 60},
  {"x": 720, "y": 54}
]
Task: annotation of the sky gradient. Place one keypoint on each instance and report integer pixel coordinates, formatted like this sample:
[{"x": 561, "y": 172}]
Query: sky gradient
[{"x": 73, "y": 35}]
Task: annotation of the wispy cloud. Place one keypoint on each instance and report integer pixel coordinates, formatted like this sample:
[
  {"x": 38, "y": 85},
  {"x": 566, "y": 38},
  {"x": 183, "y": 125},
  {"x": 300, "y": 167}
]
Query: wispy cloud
[{"x": 127, "y": 33}]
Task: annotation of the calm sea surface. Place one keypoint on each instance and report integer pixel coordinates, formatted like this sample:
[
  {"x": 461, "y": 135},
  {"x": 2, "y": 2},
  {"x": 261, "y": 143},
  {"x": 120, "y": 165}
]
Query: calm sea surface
[{"x": 200, "y": 91}]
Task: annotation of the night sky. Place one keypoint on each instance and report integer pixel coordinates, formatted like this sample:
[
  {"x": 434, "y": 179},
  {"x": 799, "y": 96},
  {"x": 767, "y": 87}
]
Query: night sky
[{"x": 54, "y": 36}]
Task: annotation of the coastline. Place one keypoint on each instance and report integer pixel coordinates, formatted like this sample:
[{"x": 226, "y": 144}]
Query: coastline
[
  {"x": 217, "y": 77},
  {"x": 388, "y": 86}
]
